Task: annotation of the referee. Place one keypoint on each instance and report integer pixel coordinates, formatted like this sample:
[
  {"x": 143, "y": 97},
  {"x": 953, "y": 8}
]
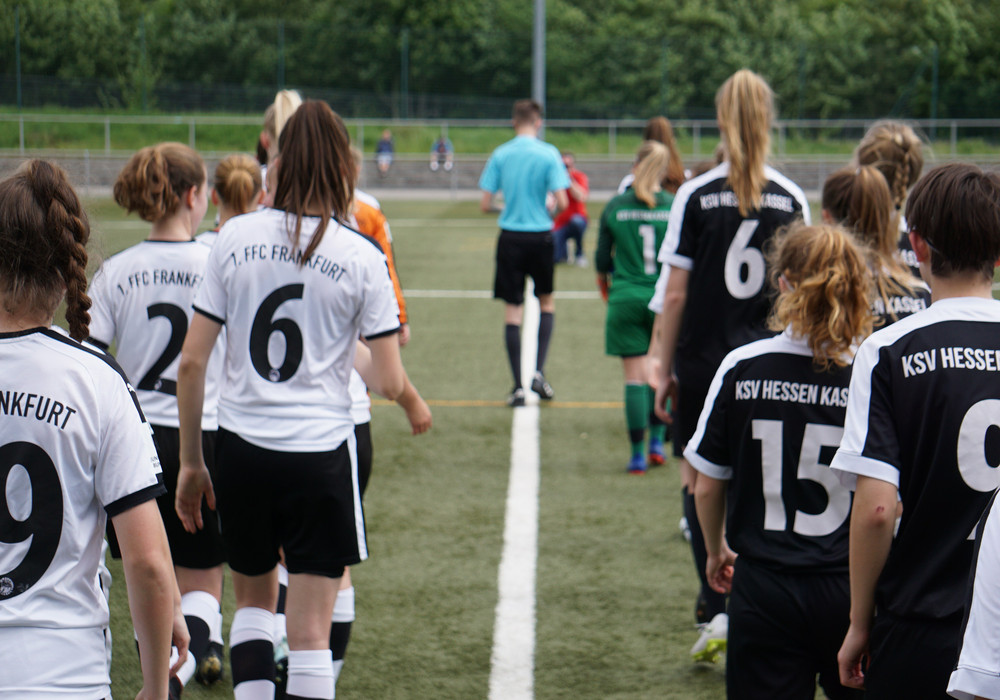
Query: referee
[{"x": 525, "y": 169}]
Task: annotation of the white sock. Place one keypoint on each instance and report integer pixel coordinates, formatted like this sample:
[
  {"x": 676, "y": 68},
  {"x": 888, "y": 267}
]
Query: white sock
[
  {"x": 186, "y": 670},
  {"x": 310, "y": 674},
  {"x": 343, "y": 607},
  {"x": 251, "y": 654}
]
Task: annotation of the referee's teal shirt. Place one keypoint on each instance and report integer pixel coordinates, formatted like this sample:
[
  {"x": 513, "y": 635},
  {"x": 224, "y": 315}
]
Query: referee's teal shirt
[{"x": 525, "y": 169}]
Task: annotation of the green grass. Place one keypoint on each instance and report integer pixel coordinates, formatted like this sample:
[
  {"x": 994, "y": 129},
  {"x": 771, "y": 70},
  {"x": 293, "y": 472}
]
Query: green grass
[{"x": 615, "y": 582}]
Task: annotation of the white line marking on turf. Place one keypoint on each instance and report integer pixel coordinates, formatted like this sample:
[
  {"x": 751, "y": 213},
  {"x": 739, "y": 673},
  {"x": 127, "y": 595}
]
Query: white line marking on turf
[
  {"x": 487, "y": 294},
  {"x": 512, "y": 664}
]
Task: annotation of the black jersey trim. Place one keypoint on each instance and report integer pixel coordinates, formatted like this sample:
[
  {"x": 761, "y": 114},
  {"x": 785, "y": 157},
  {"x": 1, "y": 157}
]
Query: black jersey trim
[
  {"x": 383, "y": 334},
  {"x": 370, "y": 239},
  {"x": 99, "y": 343},
  {"x": 21, "y": 333},
  {"x": 210, "y": 317},
  {"x": 136, "y": 499}
]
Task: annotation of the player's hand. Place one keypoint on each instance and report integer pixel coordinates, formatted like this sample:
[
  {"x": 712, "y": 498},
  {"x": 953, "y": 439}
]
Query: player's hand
[
  {"x": 603, "y": 286},
  {"x": 853, "y": 656},
  {"x": 193, "y": 482},
  {"x": 404, "y": 334},
  {"x": 666, "y": 390},
  {"x": 653, "y": 371},
  {"x": 180, "y": 637},
  {"x": 719, "y": 569},
  {"x": 419, "y": 415}
]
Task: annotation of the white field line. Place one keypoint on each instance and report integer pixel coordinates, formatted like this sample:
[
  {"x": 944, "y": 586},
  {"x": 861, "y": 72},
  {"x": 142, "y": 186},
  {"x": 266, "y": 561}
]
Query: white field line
[
  {"x": 487, "y": 294},
  {"x": 512, "y": 663}
]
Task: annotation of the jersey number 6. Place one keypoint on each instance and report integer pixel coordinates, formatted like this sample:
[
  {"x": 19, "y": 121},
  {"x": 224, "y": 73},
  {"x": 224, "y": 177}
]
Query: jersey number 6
[
  {"x": 264, "y": 326},
  {"x": 741, "y": 253}
]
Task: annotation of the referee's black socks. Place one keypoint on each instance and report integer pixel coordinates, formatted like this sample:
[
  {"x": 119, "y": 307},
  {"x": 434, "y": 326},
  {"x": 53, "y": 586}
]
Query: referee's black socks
[
  {"x": 546, "y": 321},
  {"x": 512, "y": 338}
]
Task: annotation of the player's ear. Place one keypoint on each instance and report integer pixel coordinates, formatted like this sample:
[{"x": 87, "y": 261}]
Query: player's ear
[
  {"x": 828, "y": 217},
  {"x": 215, "y": 198},
  {"x": 920, "y": 247}
]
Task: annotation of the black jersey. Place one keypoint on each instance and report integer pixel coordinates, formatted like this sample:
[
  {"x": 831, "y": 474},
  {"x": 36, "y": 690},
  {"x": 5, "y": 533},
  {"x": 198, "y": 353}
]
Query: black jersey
[
  {"x": 727, "y": 296},
  {"x": 771, "y": 423},
  {"x": 896, "y": 306},
  {"x": 924, "y": 414}
]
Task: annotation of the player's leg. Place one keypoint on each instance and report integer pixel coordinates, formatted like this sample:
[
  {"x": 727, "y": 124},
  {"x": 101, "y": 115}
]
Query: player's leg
[
  {"x": 251, "y": 648},
  {"x": 201, "y": 595},
  {"x": 508, "y": 285},
  {"x": 578, "y": 227},
  {"x": 309, "y": 608},
  {"x": 636, "y": 410},
  {"x": 512, "y": 317},
  {"x": 542, "y": 271}
]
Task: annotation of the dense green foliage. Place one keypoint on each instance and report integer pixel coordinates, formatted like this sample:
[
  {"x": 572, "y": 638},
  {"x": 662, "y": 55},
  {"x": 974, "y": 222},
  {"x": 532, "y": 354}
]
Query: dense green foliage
[{"x": 825, "y": 58}]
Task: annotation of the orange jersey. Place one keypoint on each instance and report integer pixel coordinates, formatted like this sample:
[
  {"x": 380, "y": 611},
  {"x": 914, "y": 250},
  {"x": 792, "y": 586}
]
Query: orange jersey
[{"x": 372, "y": 222}]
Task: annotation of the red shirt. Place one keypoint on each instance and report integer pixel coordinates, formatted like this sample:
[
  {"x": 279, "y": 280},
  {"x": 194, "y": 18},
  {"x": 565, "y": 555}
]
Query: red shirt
[{"x": 575, "y": 205}]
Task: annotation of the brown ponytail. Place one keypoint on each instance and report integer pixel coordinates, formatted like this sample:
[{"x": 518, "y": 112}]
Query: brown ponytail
[
  {"x": 660, "y": 129},
  {"x": 156, "y": 177},
  {"x": 43, "y": 238},
  {"x": 896, "y": 150},
  {"x": 828, "y": 285},
  {"x": 745, "y": 109},
  {"x": 651, "y": 161},
  {"x": 237, "y": 182}
]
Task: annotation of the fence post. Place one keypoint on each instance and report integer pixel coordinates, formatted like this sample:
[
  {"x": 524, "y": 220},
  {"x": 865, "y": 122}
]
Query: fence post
[
  {"x": 954, "y": 138},
  {"x": 781, "y": 139},
  {"x": 612, "y": 135},
  {"x": 20, "y": 129},
  {"x": 191, "y": 133},
  {"x": 696, "y": 138},
  {"x": 86, "y": 170},
  {"x": 107, "y": 135},
  {"x": 361, "y": 137}
]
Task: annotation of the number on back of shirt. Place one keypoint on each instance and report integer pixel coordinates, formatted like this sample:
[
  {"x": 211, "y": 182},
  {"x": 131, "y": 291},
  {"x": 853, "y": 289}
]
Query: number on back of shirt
[
  {"x": 816, "y": 436},
  {"x": 972, "y": 456},
  {"x": 648, "y": 234},
  {"x": 152, "y": 381},
  {"x": 265, "y": 326},
  {"x": 31, "y": 514},
  {"x": 741, "y": 255}
]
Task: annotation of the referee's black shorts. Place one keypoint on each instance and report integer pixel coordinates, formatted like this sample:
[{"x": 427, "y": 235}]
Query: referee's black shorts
[
  {"x": 912, "y": 658},
  {"x": 521, "y": 255},
  {"x": 785, "y": 629},
  {"x": 306, "y": 503}
]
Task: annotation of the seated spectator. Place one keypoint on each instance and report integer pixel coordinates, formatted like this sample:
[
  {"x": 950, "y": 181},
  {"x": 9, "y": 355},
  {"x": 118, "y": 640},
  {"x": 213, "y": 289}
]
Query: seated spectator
[
  {"x": 571, "y": 222},
  {"x": 442, "y": 154},
  {"x": 385, "y": 149}
]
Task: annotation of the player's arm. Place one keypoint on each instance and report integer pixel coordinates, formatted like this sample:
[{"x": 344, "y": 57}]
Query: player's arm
[
  {"x": 873, "y": 517},
  {"x": 378, "y": 362},
  {"x": 562, "y": 199},
  {"x": 710, "y": 502},
  {"x": 153, "y": 597},
  {"x": 486, "y": 202},
  {"x": 417, "y": 410},
  {"x": 674, "y": 300},
  {"x": 193, "y": 480}
]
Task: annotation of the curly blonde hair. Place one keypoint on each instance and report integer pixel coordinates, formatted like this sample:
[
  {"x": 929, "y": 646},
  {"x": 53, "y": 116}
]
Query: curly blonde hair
[{"x": 828, "y": 287}]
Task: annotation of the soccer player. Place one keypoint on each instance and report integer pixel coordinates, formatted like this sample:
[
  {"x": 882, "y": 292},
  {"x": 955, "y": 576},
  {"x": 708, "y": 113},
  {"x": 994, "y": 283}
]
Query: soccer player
[
  {"x": 632, "y": 228},
  {"x": 142, "y": 299},
  {"x": 772, "y": 418},
  {"x": 75, "y": 450},
  {"x": 920, "y": 415},
  {"x": 859, "y": 199},
  {"x": 660, "y": 129},
  {"x": 295, "y": 290},
  {"x": 715, "y": 298},
  {"x": 525, "y": 169},
  {"x": 896, "y": 150},
  {"x": 237, "y": 189}
]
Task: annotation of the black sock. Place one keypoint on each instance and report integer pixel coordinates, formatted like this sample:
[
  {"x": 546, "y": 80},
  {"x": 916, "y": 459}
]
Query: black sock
[
  {"x": 340, "y": 635},
  {"x": 546, "y": 320},
  {"x": 512, "y": 337},
  {"x": 198, "y": 629},
  {"x": 715, "y": 602}
]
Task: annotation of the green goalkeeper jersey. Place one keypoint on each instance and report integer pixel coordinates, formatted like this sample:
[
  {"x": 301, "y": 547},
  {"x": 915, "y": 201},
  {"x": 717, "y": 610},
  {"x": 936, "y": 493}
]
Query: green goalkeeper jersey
[{"x": 628, "y": 240}]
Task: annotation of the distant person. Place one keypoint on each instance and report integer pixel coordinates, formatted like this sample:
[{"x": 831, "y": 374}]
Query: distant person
[
  {"x": 385, "y": 151},
  {"x": 633, "y": 225},
  {"x": 525, "y": 169},
  {"x": 571, "y": 222},
  {"x": 660, "y": 129},
  {"x": 920, "y": 432},
  {"x": 275, "y": 116},
  {"x": 442, "y": 154}
]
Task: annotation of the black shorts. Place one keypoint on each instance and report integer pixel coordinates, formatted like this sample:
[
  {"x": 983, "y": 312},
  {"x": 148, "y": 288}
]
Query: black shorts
[
  {"x": 306, "y": 503},
  {"x": 521, "y": 255},
  {"x": 205, "y": 548},
  {"x": 912, "y": 658},
  {"x": 784, "y": 631},
  {"x": 363, "y": 436},
  {"x": 690, "y": 400}
]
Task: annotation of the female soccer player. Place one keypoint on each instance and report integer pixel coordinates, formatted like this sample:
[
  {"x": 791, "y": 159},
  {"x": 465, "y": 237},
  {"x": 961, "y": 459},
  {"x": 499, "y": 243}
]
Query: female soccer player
[
  {"x": 660, "y": 129},
  {"x": 773, "y": 416},
  {"x": 920, "y": 430},
  {"x": 142, "y": 299},
  {"x": 715, "y": 298},
  {"x": 859, "y": 199},
  {"x": 632, "y": 228},
  {"x": 237, "y": 189},
  {"x": 295, "y": 290},
  {"x": 74, "y": 450},
  {"x": 896, "y": 150}
]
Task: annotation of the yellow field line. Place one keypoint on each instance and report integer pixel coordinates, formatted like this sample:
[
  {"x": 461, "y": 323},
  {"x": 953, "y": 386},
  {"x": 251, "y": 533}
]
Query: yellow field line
[{"x": 485, "y": 403}]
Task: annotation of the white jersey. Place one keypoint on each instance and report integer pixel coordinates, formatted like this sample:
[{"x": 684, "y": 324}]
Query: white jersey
[
  {"x": 292, "y": 329},
  {"x": 142, "y": 298},
  {"x": 361, "y": 402},
  {"x": 74, "y": 449}
]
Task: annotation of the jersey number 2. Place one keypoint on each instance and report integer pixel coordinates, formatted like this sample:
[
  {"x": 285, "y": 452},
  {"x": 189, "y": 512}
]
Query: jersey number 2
[
  {"x": 152, "y": 381},
  {"x": 264, "y": 326},
  {"x": 34, "y": 517},
  {"x": 814, "y": 438}
]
